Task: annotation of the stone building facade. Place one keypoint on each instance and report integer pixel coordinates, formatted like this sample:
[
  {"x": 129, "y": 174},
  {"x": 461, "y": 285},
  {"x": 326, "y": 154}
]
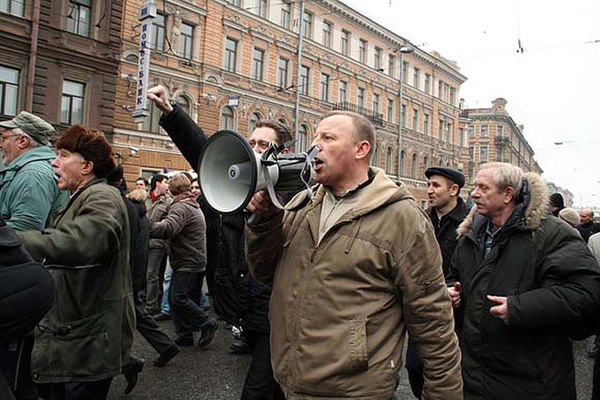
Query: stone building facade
[
  {"x": 231, "y": 63},
  {"x": 495, "y": 136}
]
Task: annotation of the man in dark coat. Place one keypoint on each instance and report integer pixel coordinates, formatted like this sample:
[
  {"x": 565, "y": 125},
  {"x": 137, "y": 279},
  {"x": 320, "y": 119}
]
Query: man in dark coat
[
  {"x": 446, "y": 211},
  {"x": 587, "y": 227},
  {"x": 238, "y": 297},
  {"x": 527, "y": 279}
]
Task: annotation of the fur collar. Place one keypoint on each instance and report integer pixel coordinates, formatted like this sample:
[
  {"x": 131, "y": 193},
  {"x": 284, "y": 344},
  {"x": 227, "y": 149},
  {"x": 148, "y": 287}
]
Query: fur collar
[{"x": 536, "y": 211}]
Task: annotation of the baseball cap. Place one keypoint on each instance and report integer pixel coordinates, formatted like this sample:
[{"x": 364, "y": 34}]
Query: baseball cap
[{"x": 34, "y": 126}]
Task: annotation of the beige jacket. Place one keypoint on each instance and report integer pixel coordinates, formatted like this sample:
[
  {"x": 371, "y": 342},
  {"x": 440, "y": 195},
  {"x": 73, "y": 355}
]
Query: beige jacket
[{"x": 340, "y": 309}]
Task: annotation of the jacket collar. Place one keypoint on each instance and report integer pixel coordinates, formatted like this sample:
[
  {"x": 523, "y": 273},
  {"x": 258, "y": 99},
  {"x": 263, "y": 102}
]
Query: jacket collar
[
  {"x": 37, "y": 154},
  {"x": 529, "y": 217}
]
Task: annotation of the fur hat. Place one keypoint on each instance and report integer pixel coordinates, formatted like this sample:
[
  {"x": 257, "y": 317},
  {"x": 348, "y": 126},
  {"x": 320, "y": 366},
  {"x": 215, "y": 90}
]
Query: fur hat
[{"x": 570, "y": 216}]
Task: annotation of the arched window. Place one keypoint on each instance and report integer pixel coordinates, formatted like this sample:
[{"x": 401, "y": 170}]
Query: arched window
[
  {"x": 425, "y": 163},
  {"x": 254, "y": 118},
  {"x": 375, "y": 156},
  {"x": 227, "y": 118},
  {"x": 402, "y": 158},
  {"x": 388, "y": 160},
  {"x": 302, "y": 139},
  {"x": 413, "y": 166},
  {"x": 184, "y": 103}
]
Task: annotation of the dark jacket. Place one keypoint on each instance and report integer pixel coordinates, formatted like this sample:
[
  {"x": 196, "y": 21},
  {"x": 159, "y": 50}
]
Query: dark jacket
[
  {"x": 588, "y": 229},
  {"x": 87, "y": 252},
  {"x": 185, "y": 228},
  {"x": 445, "y": 230},
  {"x": 237, "y": 297},
  {"x": 140, "y": 237},
  {"x": 551, "y": 281}
]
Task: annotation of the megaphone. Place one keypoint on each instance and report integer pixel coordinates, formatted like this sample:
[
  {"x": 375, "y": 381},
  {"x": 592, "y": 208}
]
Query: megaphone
[{"x": 230, "y": 172}]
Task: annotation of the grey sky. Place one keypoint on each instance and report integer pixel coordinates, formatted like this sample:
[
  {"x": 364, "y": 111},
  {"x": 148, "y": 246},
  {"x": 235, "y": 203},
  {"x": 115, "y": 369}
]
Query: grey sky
[{"x": 552, "y": 87}]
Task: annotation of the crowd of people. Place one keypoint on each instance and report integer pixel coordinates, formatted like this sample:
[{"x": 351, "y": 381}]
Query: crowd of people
[{"x": 323, "y": 293}]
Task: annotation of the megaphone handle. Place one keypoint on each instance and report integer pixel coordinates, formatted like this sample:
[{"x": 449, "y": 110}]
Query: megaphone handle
[{"x": 271, "y": 188}]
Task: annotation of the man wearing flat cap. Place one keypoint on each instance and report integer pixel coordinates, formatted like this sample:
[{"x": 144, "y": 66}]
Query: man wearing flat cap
[
  {"x": 28, "y": 190},
  {"x": 28, "y": 196},
  {"x": 446, "y": 211}
]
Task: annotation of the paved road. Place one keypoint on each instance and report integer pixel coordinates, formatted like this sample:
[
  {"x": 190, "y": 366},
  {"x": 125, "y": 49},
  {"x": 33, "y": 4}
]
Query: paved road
[{"x": 214, "y": 374}]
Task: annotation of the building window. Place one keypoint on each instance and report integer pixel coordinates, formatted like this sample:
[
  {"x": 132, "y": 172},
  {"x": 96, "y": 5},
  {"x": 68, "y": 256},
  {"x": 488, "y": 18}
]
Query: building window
[
  {"x": 390, "y": 111},
  {"x": 14, "y": 7},
  {"x": 425, "y": 163},
  {"x": 78, "y": 20},
  {"x": 403, "y": 116},
  {"x": 461, "y": 137},
  {"x": 484, "y": 131},
  {"x": 183, "y": 103},
  {"x": 254, "y": 118},
  {"x": 417, "y": 78},
  {"x": 262, "y": 8},
  {"x": 377, "y": 63},
  {"x": 441, "y": 90},
  {"x": 375, "y": 103},
  {"x": 230, "y": 54},
  {"x": 282, "y": 72},
  {"x": 500, "y": 130},
  {"x": 343, "y": 92},
  {"x": 391, "y": 65},
  {"x": 449, "y": 133},
  {"x": 413, "y": 166},
  {"x": 345, "y": 42},
  {"x": 307, "y": 25},
  {"x": 158, "y": 35},
  {"x": 402, "y": 159},
  {"x": 71, "y": 107},
  {"x": 234, "y": 2},
  {"x": 362, "y": 51},
  {"x": 452, "y": 95},
  {"x": 388, "y": 160},
  {"x": 415, "y": 120},
  {"x": 150, "y": 124},
  {"x": 258, "y": 60},
  {"x": 426, "y": 124},
  {"x": 304, "y": 80},
  {"x": 441, "y": 131},
  {"x": 227, "y": 118},
  {"x": 302, "y": 138},
  {"x": 483, "y": 153},
  {"x": 185, "y": 41},
  {"x": 286, "y": 13},
  {"x": 404, "y": 72},
  {"x": 9, "y": 91},
  {"x": 360, "y": 99},
  {"x": 327, "y": 28},
  {"x": 324, "y": 87},
  {"x": 427, "y": 84}
]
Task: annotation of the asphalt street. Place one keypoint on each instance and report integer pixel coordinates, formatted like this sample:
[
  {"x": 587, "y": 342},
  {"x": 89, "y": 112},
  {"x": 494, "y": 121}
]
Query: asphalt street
[{"x": 215, "y": 374}]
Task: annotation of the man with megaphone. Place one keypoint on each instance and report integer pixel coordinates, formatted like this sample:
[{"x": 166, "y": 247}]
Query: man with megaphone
[
  {"x": 251, "y": 297},
  {"x": 353, "y": 269}
]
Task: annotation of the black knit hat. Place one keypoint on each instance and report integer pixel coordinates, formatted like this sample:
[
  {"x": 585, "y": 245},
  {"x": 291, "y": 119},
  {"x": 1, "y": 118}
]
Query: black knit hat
[{"x": 556, "y": 200}]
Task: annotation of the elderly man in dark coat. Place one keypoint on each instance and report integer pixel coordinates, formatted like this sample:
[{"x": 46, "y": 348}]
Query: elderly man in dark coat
[
  {"x": 527, "y": 280},
  {"x": 82, "y": 341}
]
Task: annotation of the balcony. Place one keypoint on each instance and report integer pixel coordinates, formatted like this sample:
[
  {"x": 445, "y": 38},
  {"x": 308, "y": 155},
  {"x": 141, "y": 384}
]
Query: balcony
[
  {"x": 501, "y": 140},
  {"x": 375, "y": 117}
]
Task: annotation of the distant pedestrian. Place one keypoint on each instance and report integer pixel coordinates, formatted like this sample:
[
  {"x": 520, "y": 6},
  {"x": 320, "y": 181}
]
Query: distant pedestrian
[
  {"x": 557, "y": 203},
  {"x": 587, "y": 226}
]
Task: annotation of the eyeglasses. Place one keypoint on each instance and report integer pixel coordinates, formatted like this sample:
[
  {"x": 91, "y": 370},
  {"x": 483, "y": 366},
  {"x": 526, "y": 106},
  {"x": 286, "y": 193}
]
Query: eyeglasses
[{"x": 3, "y": 138}]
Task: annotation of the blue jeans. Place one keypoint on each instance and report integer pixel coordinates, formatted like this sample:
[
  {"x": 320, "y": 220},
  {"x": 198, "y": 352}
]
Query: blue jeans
[{"x": 164, "y": 305}]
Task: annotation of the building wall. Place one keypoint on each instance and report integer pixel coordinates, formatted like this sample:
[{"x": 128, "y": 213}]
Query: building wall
[
  {"x": 494, "y": 136},
  {"x": 38, "y": 37}
]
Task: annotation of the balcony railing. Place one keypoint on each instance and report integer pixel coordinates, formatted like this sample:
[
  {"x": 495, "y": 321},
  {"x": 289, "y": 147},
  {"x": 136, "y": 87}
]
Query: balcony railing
[
  {"x": 374, "y": 117},
  {"x": 501, "y": 140}
]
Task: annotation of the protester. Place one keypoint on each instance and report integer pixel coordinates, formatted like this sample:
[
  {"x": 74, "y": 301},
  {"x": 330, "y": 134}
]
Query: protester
[
  {"x": 353, "y": 269},
  {"x": 28, "y": 191},
  {"x": 587, "y": 227},
  {"x": 28, "y": 197},
  {"x": 26, "y": 294},
  {"x": 557, "y": 203},
  {"x": 446, "y": 211},
  {"x": 571, "y": 217},
  {"x": 185, "y": 227},
  {"x": 157, "y": 254},
  {"x": 138, "y": 258},
  {"x": 237, "y": 296},
  {"x": 527, "y": 280},
  {"x": 87, "y": 253}
]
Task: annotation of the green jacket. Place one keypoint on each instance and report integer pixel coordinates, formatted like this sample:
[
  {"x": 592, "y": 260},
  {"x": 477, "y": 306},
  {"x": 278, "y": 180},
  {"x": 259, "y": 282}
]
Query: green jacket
[
  {"x": 28, "y": 191},
  {"x": 87, "y": 252},
  {"x": 340, "y": 308}
]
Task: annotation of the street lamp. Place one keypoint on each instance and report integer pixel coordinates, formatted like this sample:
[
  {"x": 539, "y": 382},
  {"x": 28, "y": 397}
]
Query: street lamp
[{"x": 403, "y": 50}]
